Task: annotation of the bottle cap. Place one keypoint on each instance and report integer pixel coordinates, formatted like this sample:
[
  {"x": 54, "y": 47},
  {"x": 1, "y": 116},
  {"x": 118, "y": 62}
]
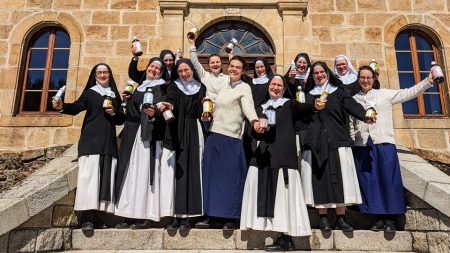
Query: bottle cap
[
  {"x": 433, "y": 63},
  {"x": 373, "y": 59},
  {"x": 135, "y": 38}
]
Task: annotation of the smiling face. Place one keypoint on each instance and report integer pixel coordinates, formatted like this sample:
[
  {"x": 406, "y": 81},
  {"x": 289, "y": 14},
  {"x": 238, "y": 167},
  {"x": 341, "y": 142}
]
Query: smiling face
[
  {"x": 320, "y": 75},
  {"x": 302, "y": 65},
  {"x": 215, "y": 64},
  {"x": 341, "y": 66},
  {"x": 260, "y": 68},
  {"x": 153, "y": 71},
  {"x": 235, "y": 69},
  {"x": 366, "y": 80},
  {"x": 168, "y": 60},
  {"x": 102, "y": 76},
  {"x": 184, "y": 72},
  {"x": 276, "y": 88}
]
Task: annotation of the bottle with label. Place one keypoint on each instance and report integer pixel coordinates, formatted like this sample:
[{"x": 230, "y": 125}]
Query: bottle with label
[
  {"x": 293, "y": 65},
  {"x": 129, "y": 88},
  {"x": 148, "y": 98},
  {"x": 437, "y": 73},
  {"x": 168, "y": 115},
  {"x": 374, "y": 65},
  {"x": 324, "y": 96},
  {"x": 300, "y": 95},
  {"x": 271, "y": 116},
  {"x": 231, "y": 45},
  {"x": 60, "y": 94},
  {"x": 192, "y": 34},
  {"x": 208, "y": 108},
  {"x": 107, "y": 102},
  {"x": 137, "y": 45},
  {"x": 264, "y": 121},
  {"x": 370, "y": 113}
]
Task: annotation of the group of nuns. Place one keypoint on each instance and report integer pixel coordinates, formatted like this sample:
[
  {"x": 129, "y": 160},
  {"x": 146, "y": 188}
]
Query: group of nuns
[{"x": 231, "y": 169}]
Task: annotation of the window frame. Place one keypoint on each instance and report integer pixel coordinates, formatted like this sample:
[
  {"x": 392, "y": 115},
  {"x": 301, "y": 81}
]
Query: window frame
[
  {"x": 416, "y": 72},
  {"x": 47, "y": 72}
]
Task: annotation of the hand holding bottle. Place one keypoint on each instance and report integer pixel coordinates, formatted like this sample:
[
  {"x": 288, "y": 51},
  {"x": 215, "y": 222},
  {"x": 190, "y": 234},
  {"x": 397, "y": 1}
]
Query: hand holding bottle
[
  {"x": 110, "y": 110},
  {"x": 150, "y": 111},
  {"x": 57, "y": 104}
]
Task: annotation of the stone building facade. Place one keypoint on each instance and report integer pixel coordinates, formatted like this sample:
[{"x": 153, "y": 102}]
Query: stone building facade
[{"x": 101, "y": 31}]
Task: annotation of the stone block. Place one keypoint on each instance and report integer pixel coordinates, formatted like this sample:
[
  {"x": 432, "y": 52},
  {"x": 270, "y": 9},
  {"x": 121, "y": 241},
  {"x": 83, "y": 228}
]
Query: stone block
[
  {"x": 84, "y": 17},
  {"x": 347, "y": 34},
  {"x": 254, "y": 240},
  {"x": 115, "y": 239},
  {"x": 438, "y": 242},
  {"x": 40, "y": 220},
  {"x": 399, "y": 5},
  {"x": 147, "y": 5},
  {"x": 415, "y": 202},
  {"x": 50, "y": 239},
  {"x": 91, "y": 61},
  {"x": 12, "y": 4},
  {"x": 144, "y": 32},
  {"x": 39, "y": 137},
  {"x": 318, "y": 240},
  {"x": 438, "y": 196},
  {"x": 373, "y": 34},
  {"x": 371, "y": 5},
  {"x": 321, "y": 6},
  {"x": 345, "y": 5},
  {"x": 106, "y": 17},
  {"x": 329, "y": 51},
  {"x": 4, "y": 242},
  {"x": 123, "y": 4},
  {"x": 67, "y": 238},
  {"x": 420, "y": 243},
  {"x": 367, "y": 240},
  {"x": 404, "y": 137},
  {"x": 410, "y": 220},
  {"x": 72, "y": 178},
  {"x": 365, "y": 51},
  {"x": 425, "y": 5},
  {"x": 58, "y": 166},
  {"x": 96, "y": 32},
  {"x": 13, "y": 212},
  {"x": 200, "y": 239},
  {"x": 120, "y": 32},
  {"x": 378, "y": 19},
  {"x": 427, "y": 220},
  {"x": 98, "y": 48},
  {"x": 17, "y": 16},
  {"x": 432, "y": 139},
  {"x": 22, "y": 241},
  {"x": 53, "y": 188},
  {"x": 356, "y": 19},
  {"x": 323, "y": 33},
  {"x": 4, "y": 31},
  {"x": 122, "y": 48},
  {"x": 64, "y": 216},
  {"x": 69, "y": 199},
  {"x": 139, "y": 18},
  {"x": 72, "y": 151},
  {"x": 64, "y": 4},
  {"x": 444, "y": 222},
  {"x": 95, "y": 4},
  {"x": 326, "y": 19}
]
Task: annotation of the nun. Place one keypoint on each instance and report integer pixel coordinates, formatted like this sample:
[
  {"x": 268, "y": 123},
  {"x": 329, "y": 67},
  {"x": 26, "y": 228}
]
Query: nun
[
  {"x": 344, "y": 69},
  {"x": 139, "y": 75},
  {"x": 97, "y": 148},
  {"x": 145, "y": 173}
]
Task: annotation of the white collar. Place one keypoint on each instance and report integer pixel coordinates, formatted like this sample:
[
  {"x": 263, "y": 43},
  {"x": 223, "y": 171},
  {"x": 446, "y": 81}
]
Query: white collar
[
  {"x": 302, "y": 76},
  {"x": 150, "y": 83},
  {"x": 188, "y": 87},
  {"x": 318, "y": 89},
  {"x": 348, "y": 78},
  {"x": 275, "y": 103},
  {"x": 260, "y": 80},
  {"x": 102, "y": 90}
]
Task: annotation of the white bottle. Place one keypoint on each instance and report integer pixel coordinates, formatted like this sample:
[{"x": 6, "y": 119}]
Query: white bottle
[
  {"x": 60, "y": 93},
  {"x": 300, "y": 95},
  {"x": 436, "y": 73}
]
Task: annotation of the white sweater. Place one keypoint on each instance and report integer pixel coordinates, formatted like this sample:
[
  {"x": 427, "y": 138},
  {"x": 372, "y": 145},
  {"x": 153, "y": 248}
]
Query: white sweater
[
  {"x": 383, "y": 130},
  {"x": 233, "y": 103},
  {"x": 213, "y": 83}
]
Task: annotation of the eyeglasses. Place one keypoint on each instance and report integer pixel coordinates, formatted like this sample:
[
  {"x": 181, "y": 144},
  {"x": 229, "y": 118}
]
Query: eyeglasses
[
  {"x": 102, "y": 72},
  {"x": 362, "y": 78}
]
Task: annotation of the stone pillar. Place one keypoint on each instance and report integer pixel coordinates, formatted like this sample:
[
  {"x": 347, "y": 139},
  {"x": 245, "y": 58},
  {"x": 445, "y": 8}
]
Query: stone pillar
[
  {"x": 295, "y": 31},
  {"x": 172, "y": 32}
]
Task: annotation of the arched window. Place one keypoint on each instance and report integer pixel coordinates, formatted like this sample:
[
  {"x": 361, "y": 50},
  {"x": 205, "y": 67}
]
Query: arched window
[
  {"x": 415, "y": 51},
  {"x": 252, "y": 42},
  {"x": 45, "y": 70}
]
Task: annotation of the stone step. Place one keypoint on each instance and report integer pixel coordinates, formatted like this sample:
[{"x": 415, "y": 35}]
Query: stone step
[
  {"x": 216, "y": 239},
  {"x": 202, "y": 251}
]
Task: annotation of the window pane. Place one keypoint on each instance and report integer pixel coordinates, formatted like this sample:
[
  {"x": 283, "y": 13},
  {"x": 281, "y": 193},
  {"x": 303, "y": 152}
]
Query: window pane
[
  {"x": 248, "y": 39},
  {"x": 432, "y": 104},
  {"x": 425, "y": 60},
  {"x": 422, "y": 43},
  {"x": 253, "y": 49},
  {"x": 50, "y": 96},
  {"x": 226, "y": 35},
  {"x": 60, "y": 58},
  {"x": 404, "y": 61},
  {"x": 435, "y": 88},
  {"x": 57, "y": 79},
  {"x": 402, "y": 41},
  {"x": 216, "y": 39},
  {"x": 32, "y": 101},
  {"x": 410, "y": 107},
  {"x": 38, "y": 58},
  {"x": 62, "y": 40},
  {"x": 35, "y": 79},
  {"x": 406, "y": 80},
  {"x": 237, "y": 50},
  {"x": 265, "y": 49},
  {"x": 42, "y": 40},
  {"x": 238, "y": 34}
]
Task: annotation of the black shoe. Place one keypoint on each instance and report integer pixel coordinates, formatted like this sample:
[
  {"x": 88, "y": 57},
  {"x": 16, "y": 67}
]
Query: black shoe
[
  {"x": 378, "y": 226},
  {"x": 143, "y": 225},
  {"x": 184, "y": 226},
  {"x": 122, "y": 225},
  {"x": 389, "y": 226},
  {"x": 341, "y": 224},
  {"x": 87, "y": 226},
  {"x": 202, "y": 224},
  {"x": 101, "y": 226},
  {"x": 229, "y": 226},
  {"x": 174, "y": 225},
  {"x": 324, "y": 224},
  {"x": 283, "y": 243}
]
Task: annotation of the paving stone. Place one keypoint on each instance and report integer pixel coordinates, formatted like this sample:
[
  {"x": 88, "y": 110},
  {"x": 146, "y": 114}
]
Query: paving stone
[
  {"x": 444, "y": 222},
  {"x": 438, "y": 242},
  {"x": 200, "y": 239},
  {"x": 118, "y": 239},
  {"x": 420, "y": 243},
  {"x": 427, "y": 220},
  {"x": 13, "y": 212},
  {"x": 373, "y": 241},
  {"x": 22, "y": 241},
  {"x": 50, "y": 239}
]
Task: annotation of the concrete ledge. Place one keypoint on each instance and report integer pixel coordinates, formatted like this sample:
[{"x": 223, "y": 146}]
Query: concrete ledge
[
  {"x": 425, "y": 181},
  {"x": 373, "y": 241},
  {"x": 38, "y": 191}
]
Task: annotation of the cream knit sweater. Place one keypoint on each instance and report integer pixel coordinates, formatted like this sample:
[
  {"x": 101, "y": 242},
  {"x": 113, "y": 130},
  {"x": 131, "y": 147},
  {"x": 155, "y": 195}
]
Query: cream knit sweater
[
  {"x": 232, "y": 104},
  {"x": 383, "y": 130}
]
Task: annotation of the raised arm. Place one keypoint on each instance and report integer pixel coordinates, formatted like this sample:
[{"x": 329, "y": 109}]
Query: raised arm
[
  {"x": 76, "y": 107},
  {"x": 403, "y": 95},
  {"x": 133, "y": 72}
]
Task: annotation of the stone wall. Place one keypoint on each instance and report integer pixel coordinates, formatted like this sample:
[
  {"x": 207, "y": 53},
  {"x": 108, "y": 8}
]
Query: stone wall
[{"x": 101, "y": 31}]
